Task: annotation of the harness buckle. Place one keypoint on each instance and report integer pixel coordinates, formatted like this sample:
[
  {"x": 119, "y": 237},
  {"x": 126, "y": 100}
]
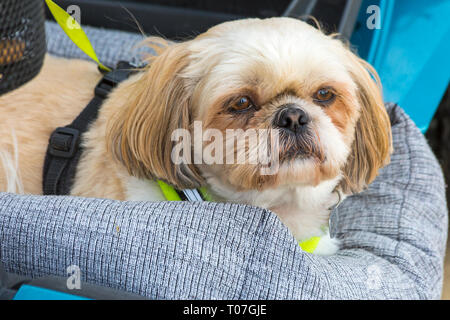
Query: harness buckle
[
  {"x": 104, "y": 87},
  {"x": 109, "y": 81},
  {"x": 64, "y": 142}
]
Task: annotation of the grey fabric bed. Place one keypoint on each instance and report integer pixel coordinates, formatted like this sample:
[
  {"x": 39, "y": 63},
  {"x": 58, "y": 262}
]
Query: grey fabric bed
[{"x": 393, "y": 234}]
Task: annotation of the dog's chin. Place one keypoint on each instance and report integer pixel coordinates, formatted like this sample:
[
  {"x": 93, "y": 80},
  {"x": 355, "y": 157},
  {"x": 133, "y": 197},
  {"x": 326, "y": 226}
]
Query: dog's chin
[
  {"x": 304, "y": 145},
  {"x": 306, "y": 170},
  {"x": 297, "y": 156},
  {"x": 302, "y": 170}
]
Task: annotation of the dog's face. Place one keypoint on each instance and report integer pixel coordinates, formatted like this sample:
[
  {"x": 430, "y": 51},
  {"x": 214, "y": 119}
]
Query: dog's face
[{"x": 277, "y": 74}]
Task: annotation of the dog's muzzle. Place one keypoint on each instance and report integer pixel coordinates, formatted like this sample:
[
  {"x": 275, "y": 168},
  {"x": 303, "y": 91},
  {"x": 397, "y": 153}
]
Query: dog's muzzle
[
  {"x": 291, "y": 118},
  {"x": 296, "y": 137}
]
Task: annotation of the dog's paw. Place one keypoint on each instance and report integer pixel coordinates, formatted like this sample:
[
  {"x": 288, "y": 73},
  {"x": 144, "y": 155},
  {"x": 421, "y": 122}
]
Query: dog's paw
[{"x": 327, "y": 246}]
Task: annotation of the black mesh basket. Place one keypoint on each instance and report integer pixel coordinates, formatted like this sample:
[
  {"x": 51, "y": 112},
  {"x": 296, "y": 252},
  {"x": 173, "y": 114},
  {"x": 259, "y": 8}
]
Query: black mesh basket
[{"x": 22, "y": 41}]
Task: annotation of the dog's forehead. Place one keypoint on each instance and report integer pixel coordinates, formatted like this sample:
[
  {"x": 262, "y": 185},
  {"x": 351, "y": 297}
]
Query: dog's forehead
[
  {"x": 277, "y": 26},
  {"x": 275, "y": 50},
  {"x": 271, "y": 56},
  {"x": 274, "y": 38}
]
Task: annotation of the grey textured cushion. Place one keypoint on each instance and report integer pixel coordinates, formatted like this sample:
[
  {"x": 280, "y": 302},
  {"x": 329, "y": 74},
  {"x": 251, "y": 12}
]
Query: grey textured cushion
[
  {"x": 110, "y": 46},
  {"x": 393, "y": 234}
]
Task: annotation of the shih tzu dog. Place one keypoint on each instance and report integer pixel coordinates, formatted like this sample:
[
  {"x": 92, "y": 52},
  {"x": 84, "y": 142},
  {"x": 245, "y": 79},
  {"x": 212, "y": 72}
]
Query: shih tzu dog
[{"x": 325, "y": 103}]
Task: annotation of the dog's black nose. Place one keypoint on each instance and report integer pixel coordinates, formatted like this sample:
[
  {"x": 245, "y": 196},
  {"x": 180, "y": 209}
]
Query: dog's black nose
[{"x": 292, "y": 118}]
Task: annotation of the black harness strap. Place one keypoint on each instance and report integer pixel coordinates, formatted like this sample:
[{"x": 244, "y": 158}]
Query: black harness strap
[{"x": 64, "y": 148}]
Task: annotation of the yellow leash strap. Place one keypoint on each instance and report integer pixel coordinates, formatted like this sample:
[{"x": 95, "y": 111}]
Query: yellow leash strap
[{"x": 74, "y": 31}]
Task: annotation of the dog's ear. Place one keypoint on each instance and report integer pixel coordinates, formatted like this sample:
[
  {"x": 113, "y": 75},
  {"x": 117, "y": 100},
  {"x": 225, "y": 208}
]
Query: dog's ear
[
  {"x": 140, "y": 134},
  {"x": 372, "y": 145}
]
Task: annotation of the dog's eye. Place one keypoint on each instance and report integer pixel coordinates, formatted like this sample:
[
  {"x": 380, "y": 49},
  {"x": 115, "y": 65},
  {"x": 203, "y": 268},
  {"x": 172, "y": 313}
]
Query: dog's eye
[
  {"x": 242, "y": 104},
  {"x": 324, "y": 95}
]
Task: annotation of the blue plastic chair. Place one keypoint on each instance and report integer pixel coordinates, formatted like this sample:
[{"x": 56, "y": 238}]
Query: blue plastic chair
[{"x": 411, "y": 52}]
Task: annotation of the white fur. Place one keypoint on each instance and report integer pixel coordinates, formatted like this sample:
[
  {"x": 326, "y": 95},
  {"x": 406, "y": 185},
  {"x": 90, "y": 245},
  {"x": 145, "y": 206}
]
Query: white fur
[
  {"x": 327, "y": 246},
  {"x": 143, "y": 190},
  {"x": 9, "y": 162}
]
